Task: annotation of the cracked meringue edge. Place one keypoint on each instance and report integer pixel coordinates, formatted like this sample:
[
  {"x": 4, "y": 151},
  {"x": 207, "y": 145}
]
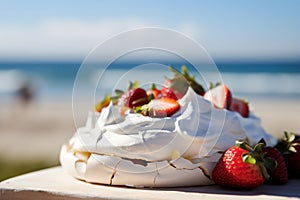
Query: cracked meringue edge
[{"x": 114, "y": 170}]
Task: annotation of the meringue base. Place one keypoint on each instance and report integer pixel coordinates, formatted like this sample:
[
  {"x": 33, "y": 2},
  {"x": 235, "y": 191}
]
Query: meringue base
[{"x": 113, "y": 170}]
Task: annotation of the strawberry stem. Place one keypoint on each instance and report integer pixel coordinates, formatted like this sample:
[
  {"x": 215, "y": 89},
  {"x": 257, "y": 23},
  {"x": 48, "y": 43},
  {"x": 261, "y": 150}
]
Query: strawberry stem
[
  {"x": 288, "y": 143},
  {"x": 190, "y": 80},
  {"x": 211, "y": 85},
  {"x": 153, "y": 87},
  {"x": 264, "y": 171},
  {"x": 119, "y": 93},
  {"x": 150, "y": 97},
  {"x": 243, "y": 145},
  {"x": 256, "y": 156},
  {"x": 133, "y": 85}
]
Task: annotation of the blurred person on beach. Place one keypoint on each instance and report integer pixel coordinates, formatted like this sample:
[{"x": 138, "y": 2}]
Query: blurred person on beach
[{"x": 25, "y": 93}]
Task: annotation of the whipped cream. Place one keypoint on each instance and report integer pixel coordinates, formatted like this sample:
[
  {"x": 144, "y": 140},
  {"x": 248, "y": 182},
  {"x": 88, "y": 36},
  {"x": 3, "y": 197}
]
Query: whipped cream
[{"x": 198, "y": 131}]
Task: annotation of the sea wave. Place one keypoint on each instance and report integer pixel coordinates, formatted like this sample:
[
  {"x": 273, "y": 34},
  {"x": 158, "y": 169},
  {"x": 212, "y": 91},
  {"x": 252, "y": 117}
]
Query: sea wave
[{"x": 56, "y": 82}]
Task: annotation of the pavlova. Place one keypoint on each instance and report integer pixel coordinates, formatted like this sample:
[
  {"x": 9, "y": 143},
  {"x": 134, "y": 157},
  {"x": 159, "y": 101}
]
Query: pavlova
[{"x": 166, "y": 136}]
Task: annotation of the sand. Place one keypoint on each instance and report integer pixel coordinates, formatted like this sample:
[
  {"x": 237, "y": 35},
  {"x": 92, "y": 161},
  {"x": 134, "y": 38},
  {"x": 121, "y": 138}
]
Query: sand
[{"x": 37, "y": 131}]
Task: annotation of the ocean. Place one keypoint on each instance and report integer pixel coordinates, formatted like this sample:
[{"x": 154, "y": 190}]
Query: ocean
[{"x": 55, "y": 80}]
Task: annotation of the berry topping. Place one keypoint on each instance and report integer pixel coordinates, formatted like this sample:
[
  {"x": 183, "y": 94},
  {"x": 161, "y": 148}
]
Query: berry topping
[
  {"x": 134, "y": 97},
  {"x": 239, "y": 106},
  {"x": 173, "y": 88},
  {"x": 154, "y": 91},
  {"x": 163, "y": 107},
  {"x": 177, "y": 86},
  {"x": 220, "y": 96}
]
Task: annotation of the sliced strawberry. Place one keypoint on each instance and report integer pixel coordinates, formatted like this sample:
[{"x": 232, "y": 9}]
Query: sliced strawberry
[
  {"x": 163, "y": 107},
  {"x": 134, "y": 97},
  {"x": 220, "y": 96},
  {"x": 239, "y": 106}
]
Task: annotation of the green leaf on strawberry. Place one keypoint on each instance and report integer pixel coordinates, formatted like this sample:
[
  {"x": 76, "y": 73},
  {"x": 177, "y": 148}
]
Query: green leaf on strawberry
[
  {"x": 133, "y": 85},
  {"x": 249, "y": 159},
  {"x": 119, "y": 93}
]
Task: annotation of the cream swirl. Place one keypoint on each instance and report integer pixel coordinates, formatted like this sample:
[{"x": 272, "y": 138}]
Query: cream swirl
[{"x": 197, "y": 131}]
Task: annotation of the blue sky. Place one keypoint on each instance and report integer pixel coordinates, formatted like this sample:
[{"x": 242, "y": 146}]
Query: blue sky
[{"x": 68, "y": 30}]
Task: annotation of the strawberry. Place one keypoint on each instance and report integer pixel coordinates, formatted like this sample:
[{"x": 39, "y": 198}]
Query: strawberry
[
  {"x": 134, "y": 97},
  {"x": 171, "y": 93},
  {"x": 280, "y": 174},
  {"x": 177, "y": 86},
  {"x": 163, "y": 107},
  {"x": 174, "y": 89},
  {"x": 289, "y": 146},
  {"x": 239, "y": 106},
  {"x": 293, "y": 162},
  {"x": 154, "y": 91},
  {"x": 241, "y": 167},
  {"x": 220, "y": 96}
]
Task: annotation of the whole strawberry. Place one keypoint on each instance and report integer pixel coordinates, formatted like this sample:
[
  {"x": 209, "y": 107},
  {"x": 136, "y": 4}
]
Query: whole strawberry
[
  {"x": 134, "y": 97},
  {"x": 241, "y": 167},
  {"x": 289, "y": 146},
  {"x": 293, "y": 162},
  {"x": 280, "y": 174}
]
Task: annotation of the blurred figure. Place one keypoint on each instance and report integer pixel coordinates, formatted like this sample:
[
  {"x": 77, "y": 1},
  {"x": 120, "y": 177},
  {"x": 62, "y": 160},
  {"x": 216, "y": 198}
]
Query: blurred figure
[
  {"x": 16, "y": 84},
  {"x": 25, "y": 93}
]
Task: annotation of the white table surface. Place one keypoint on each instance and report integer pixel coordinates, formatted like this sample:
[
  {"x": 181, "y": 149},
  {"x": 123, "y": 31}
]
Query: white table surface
[{"x": 53, "y": 183}]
